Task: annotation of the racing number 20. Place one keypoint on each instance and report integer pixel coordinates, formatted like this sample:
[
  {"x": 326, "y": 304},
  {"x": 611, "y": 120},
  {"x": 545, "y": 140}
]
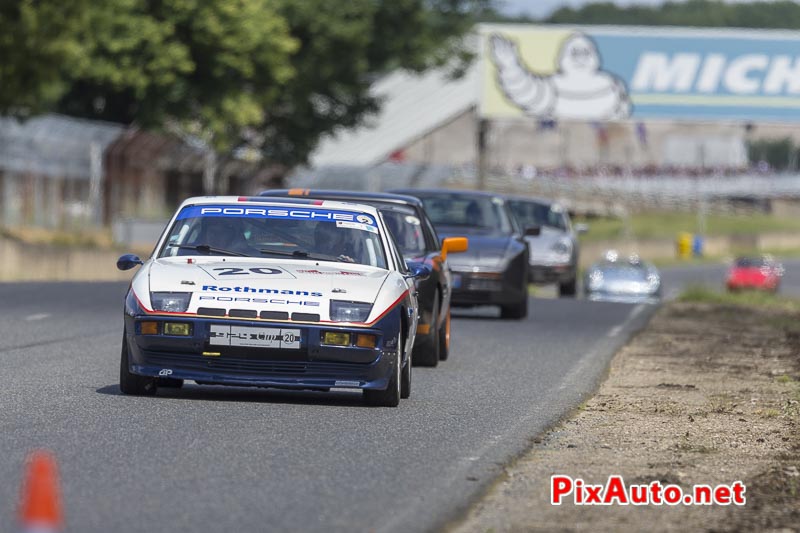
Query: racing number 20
[{"x": 231, "y": 271}]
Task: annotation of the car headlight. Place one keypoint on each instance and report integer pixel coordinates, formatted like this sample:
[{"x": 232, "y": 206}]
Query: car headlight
[
  {"x": 595, "y": 280},
  {"x": 349, "y": 311},
  {"x": 562, "y": 247},
  {"x": 172, "y": 302},
  {"x": 653, "y": 282}
]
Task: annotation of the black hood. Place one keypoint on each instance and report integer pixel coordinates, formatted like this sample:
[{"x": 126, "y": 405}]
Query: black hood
[{"x": 487, "y": 249}]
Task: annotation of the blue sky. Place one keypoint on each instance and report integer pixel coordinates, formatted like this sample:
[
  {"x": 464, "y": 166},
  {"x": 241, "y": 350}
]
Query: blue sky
[{"x": 541, "y": 8}]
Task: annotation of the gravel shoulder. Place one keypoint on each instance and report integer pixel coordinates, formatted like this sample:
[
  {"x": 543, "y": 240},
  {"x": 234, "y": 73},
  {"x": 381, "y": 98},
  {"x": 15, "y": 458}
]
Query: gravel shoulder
[{"x": 707, "y": 393}]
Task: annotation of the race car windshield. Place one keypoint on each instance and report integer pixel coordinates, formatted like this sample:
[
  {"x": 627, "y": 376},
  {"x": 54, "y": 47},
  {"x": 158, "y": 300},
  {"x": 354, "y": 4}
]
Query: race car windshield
[
  {"x": 629, "y": 272},
  {"x": 480, "y": 212},
  {"x": 406, "y": 229},
  {"x": 751, "y": 262},
  {"x": 306, "y": 234},
  {"x": 538, "y": 214}
]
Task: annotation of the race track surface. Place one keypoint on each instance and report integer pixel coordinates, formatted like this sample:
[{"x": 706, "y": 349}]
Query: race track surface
[{"x": 207, "y": 458}]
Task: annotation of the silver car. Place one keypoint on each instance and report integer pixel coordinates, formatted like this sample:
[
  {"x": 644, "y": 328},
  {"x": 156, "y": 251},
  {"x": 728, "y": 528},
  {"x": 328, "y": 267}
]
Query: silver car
[
  {"x": 628, "y": 280},
  {"x": 554, "y": 252}
]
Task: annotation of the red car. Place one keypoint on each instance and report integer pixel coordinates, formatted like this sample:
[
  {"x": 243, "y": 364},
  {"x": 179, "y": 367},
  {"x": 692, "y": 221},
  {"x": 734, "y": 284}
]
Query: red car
[{"x": 760, "y": 273}]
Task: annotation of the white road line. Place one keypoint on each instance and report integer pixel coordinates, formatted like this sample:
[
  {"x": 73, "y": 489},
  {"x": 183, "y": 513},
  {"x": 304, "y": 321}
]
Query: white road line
[
  {"x": 613, "y": 332},
  {"x": 635, "y": 312},
  {"x": 37, "y": 316}
]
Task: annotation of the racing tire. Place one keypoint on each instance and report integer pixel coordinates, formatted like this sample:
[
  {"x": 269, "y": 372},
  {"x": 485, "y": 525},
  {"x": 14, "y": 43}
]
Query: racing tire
[
  {"x": 389, "y": 397},
  {"x": 133, "y": 384},
  {"x": 428, "y": 352},
  {"x": 568, "y": 289},
  {"x": 515, "y": 311},
  {"x": 405, "y": 380},
  {"x": 444, "y": 339}
]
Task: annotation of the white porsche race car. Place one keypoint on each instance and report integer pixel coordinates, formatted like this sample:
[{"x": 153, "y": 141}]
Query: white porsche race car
[{"x": 290, "y": 293}]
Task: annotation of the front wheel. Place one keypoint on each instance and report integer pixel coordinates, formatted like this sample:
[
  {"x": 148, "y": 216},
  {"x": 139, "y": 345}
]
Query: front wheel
[
  {"x": 515, "y": 311},
  {"x": 389, "y": 397},
  {"x": 568, "y": 288},
  {"x": 427, "y": 353},
  {"x": 405, "y": 380},
  {"x": 444, "y": 339},
  {"x": 130, "y": 383}
]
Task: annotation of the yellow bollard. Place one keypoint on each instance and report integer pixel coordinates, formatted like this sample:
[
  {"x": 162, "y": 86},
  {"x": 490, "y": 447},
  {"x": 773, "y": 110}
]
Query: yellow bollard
[{"x": 684, "y": 245}]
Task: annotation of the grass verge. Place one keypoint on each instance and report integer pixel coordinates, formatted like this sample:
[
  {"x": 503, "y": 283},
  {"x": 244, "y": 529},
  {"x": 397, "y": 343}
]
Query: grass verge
[
  {"x": 703, "y": 294},
  {"x": 667, "y": 225}
]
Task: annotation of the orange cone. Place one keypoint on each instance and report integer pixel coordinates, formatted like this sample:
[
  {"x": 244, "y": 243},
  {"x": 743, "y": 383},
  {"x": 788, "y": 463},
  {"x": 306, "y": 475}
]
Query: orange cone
[{"x": 40, "y": 501}]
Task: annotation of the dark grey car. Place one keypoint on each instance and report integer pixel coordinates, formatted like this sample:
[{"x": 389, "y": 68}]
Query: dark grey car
[{"x": 554, "y": 252}]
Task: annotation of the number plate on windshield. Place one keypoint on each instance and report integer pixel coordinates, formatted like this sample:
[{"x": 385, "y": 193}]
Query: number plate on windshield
[{"x": 222, "y": 335}]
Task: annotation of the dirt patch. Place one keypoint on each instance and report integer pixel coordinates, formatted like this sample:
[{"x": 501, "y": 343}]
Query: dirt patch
[{"x": 706, "y": 394}]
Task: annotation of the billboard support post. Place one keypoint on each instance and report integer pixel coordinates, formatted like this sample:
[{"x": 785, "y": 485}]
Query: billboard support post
[{"x": 483, "y": 130}]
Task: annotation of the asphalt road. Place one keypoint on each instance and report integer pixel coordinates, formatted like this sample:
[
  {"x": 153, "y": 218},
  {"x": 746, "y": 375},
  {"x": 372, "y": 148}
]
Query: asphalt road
[{"x": 208, "y": 458}]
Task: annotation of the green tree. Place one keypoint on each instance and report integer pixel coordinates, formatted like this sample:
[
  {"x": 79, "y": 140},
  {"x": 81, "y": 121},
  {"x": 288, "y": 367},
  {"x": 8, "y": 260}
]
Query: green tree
[
  {"x": 706, "y": 13},
  {"x": 344, "y": 48},
  {"x": 40, "y": 46},
  {"x": 285, "y": 72},
  {"x": 210, "y": 66}
]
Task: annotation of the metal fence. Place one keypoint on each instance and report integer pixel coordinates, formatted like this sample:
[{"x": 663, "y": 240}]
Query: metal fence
[{"x": 592, "y": 192}]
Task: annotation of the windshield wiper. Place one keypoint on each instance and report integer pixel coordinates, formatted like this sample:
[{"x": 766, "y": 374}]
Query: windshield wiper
[
  {"x": 207, "y": 249},
  {"x": 302, "y": 254}
]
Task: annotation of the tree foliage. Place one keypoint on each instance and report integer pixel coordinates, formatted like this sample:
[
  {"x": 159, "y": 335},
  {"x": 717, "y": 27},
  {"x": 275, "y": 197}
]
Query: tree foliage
[
  {"x": 283, "y": 71},
  {"x": 39, "y": 46},
  {"x": 706, "y": 13},
  {"x": 211, "y": 66},
  {"x": 343, "y": 48}
]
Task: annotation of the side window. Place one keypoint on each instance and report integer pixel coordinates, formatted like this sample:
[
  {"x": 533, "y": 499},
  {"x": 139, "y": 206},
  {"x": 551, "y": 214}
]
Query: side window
[
  {"x": 515, "y": 225},
  {"x": 398, "y": 259},
  {"x": 431, "y": 238}
]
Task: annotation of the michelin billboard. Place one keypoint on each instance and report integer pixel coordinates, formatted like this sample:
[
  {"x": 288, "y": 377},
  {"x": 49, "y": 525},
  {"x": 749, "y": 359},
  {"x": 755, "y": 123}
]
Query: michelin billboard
[{"x": 614, "y": 73}]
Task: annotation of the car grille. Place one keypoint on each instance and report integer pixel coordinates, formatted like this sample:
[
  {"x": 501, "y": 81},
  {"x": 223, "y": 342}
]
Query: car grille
[
  {"x": 249, "y": 366},
  {"x": 483, "y": 284}
]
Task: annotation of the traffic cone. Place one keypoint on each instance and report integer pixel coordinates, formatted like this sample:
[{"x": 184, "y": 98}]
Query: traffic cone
[{"x": 40, "y": 500}]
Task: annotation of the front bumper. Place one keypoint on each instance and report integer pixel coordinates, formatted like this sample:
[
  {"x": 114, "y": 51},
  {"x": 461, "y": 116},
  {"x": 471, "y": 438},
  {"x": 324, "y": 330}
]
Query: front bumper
[
  {"x": 311, "y": 366},
  {"x": 755, "y": 286},
  {"x": 471, "y": 289},
  {"x": 599, "y": 296},
  {"x": 551, "y": 273}
]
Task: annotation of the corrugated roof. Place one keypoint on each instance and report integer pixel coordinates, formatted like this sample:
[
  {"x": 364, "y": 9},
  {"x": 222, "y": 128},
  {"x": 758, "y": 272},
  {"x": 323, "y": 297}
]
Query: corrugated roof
[
  {"x": 413, "y": 104},
  {"x": 53, "y": 145}
]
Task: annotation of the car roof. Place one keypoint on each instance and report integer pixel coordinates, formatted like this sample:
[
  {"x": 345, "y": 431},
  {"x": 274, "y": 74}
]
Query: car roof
[
  {"x": 468, "y": 192},
  {"x": 334, "y": 194},
  {"x": 278, "y": 202}
]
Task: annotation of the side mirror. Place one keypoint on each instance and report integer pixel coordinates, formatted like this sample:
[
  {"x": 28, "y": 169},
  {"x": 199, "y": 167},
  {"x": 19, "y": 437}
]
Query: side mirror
[
  {"x": 128, "y": 261},
  {"x": 581, "y": 228},
  {"x": 419, "y": 271},
  {"x": 454, "y": 245},
  {"x": 533, "y": 231}
]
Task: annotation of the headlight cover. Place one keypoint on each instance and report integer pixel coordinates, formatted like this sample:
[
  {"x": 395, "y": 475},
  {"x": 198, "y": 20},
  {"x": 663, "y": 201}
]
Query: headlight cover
[
  {"x": 595, "y": 280},
  {"x": 653, "y": 282},
  {"x": 171, "y": 302},
  {"x": 562, "y": 247},
  {"x": 342, "y": 311}
]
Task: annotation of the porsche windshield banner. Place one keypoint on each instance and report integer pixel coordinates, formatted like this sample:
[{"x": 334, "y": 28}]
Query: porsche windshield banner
[
  {"x": 342, "y": 218},
  {"x": 613, "y": 73}
]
